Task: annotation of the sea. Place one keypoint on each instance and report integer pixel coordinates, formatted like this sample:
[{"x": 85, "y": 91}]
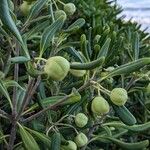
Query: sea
[{"x": 137, "y": 10}]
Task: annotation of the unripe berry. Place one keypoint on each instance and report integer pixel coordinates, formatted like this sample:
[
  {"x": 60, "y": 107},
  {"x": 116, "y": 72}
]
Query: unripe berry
[
  {"x": 59, "y": 13},
  {"x": 81, "y": 120},
  {"x": 69, "y": 8},
  {"x": 71, "y": 146},
  {"x": 81, "y": 140},
  {"x": 119, "y": 96},
  {"x": 100, "y": 106},
  {"x": 25, "y": 8},
  {"x": 57, "y": 68}
]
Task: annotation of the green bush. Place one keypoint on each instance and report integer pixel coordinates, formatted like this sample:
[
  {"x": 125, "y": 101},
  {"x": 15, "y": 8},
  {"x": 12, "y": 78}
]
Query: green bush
[{"x": 54, "y": 62}]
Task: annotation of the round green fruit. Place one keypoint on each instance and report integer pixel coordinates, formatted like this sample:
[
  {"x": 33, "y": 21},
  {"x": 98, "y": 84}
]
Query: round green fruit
[
  {"x": 81, "y": 140},
  {"x": 81, "y": 120},
  {"x": 25, "y": 8},
  {"x": 77, "y": 73},
  {"x": 99, "y": 106},
  {"x": 69, "y": 8},
  {"x": 57, "y": 68},
  {"x": 71, "y": 146},
  {"x": 59, "y": 13},
  {"x": 119, "y": 96}
]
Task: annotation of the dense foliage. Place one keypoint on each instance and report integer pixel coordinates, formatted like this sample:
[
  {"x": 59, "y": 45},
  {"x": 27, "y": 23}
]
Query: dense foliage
[{"x": 73, "y": 75}]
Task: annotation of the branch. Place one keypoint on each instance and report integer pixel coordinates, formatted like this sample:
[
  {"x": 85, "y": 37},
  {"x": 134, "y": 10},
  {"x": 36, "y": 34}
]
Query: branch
[
  {"x": 87, "y": 84},
  {"x": 14, "y": 102}
]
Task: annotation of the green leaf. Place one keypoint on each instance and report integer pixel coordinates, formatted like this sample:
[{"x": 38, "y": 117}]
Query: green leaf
[
  {"x": 73, "y": 97},
  {"x": 10, "y": 83},
  {"x": 3, "y": 32},
  {"x": 76, "y": 25},
  {"x": 8, "y": 21},
  {"x": 28, "y": 140},
  {"x": 83, "y": 46},
  {"x": 138, "y": 145},
  {"x": 20, "y": 98},
  {"x": 49, "y": 33},
  {"x": 55, "y": 141},
  {"x": 19, "y": 59},
  {"x": 42, "y": 137},
  {"x": 129, "y": 67},
  {"x": 35, "y": 9},
  {"x": 134, "y": 128},
  {"x": 104, "y": 50},
  {"x": 70, "y": 50},
  {"x": 36, "y": 29},
  {"x": 10, "y": 24},
  {"x": 124, "y": 115},
  {"x": 89, "y": 65},
  {"x": 3, "y": 91}
]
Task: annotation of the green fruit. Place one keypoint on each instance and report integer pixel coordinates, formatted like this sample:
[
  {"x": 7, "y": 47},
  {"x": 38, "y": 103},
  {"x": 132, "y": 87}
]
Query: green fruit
[
  {"x": 69, "y": 8},
  {"x": 81, "y": 120},
  {"x": 71, "y": 146},
  {"x": 59, "y": 13},
  {"x": 57, "y": 68},
  {"x": 100, "y": 106},
  {"x": 81, "y": 140},
  {"x": 25, "y": 8},
  {"x": 78, "y": 73},
  {"x": 119, "y": 96}
]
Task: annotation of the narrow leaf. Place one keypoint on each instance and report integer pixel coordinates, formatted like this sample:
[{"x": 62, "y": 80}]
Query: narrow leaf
[
  {"x": 136, "y": 46},
  {"x": 42, "y": 137},
  {"x": 55, "y": 141},
  {"x": 3, "y": 91},
  {"x": 49, "y": 34},
  {"x": 88, "y": 65},
  {"x": 36, "y": 29},
  {"x": 76, "y": 25},
  {"x": 19, "y": 59},
  {"x": 129, "y": 67},
  {"x": 28, "y": 140},
  {"x": 104, "y": 50},
  {"x": 38, "y": 5}
]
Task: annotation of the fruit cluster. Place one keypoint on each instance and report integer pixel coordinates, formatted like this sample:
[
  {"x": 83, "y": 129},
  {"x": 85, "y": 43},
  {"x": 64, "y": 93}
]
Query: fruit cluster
[{"x": 68, "y": 9}]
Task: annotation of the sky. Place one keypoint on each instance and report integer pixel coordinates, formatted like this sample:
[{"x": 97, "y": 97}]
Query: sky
[{"x": 139, "y": 10}]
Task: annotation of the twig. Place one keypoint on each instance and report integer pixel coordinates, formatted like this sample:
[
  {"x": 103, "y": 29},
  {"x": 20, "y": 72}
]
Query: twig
[
  {"x": 30, "y": 86},
  {"x": 92, "y": 130},
  {"x": 56, "y": 104},
  {"x": 31, "y": 90},
  {"x": 14, "y": 103}
]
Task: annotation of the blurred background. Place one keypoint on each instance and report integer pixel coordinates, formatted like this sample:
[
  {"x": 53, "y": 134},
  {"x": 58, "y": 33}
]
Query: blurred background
[{"x": 138, "y": 10}]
